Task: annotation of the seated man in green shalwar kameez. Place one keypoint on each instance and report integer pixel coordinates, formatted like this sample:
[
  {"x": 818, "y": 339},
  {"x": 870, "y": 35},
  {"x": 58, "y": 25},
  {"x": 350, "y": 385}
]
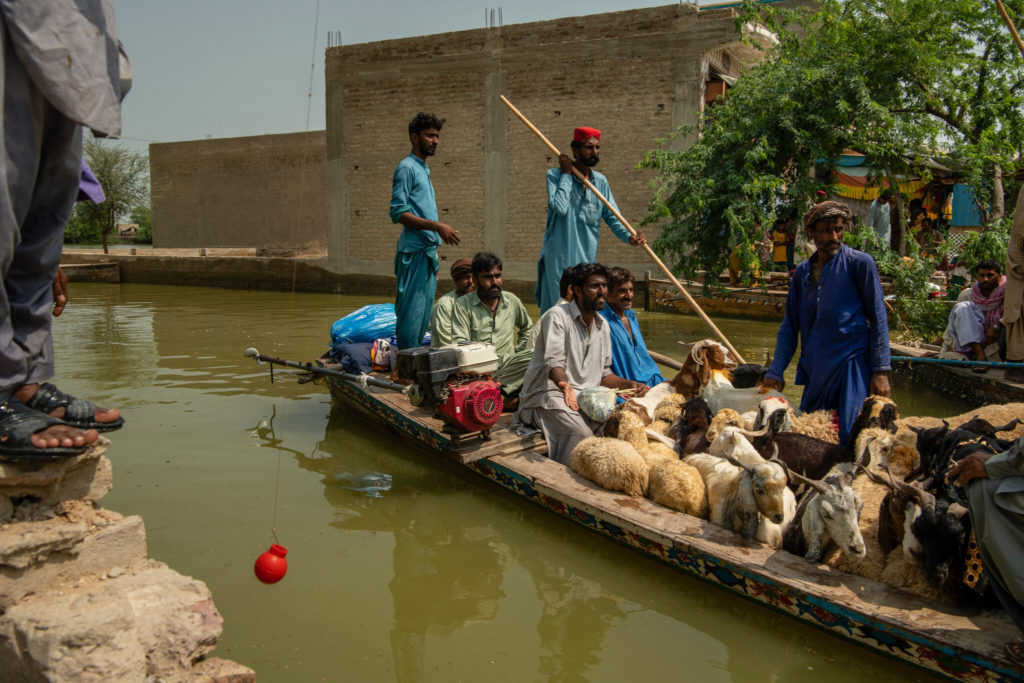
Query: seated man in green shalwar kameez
[
  {"x": 995, "y": 498},
  {"x": 497, "y": 318}
]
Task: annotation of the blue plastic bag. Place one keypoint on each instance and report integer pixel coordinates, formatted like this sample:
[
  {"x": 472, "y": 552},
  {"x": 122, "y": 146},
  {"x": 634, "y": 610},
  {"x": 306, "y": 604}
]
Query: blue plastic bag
[{"x": 369, "y": 323}]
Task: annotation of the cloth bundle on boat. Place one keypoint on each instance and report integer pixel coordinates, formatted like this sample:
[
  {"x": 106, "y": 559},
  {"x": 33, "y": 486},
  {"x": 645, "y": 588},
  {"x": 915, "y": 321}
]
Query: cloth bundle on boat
[{"x": 371, "y": 322}]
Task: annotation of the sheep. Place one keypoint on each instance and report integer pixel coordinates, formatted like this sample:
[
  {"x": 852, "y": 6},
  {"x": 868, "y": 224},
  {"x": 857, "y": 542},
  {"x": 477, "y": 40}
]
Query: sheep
[
  {"x": 649, "y": 401},
  {"x": 670, "y": 408},
  {"x": 627, "y": 426},
  {"x": 904, "y": 458},
  {"x": 828, "y": 511},
  {"x": 820, "y": 424},
  {"x": 704, "y": 358},
  {"x": 690, "y": 429},
  {"x": 739, "y": 493},
  {"x": 679, "y": 486},
  {"x": 611, "y": 464},
  {"x": 727, "y": 417},
  {"x": 625, "y": 411},
  {"x": 660, "y": 426},
  {"x": 876, "y": 411}
]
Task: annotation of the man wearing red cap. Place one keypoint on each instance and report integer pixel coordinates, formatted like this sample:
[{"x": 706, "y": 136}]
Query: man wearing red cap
[{"x": 574, "y": 216}]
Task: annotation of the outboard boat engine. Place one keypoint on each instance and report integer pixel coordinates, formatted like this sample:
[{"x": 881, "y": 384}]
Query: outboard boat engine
[{"x": 456, "y": 382}]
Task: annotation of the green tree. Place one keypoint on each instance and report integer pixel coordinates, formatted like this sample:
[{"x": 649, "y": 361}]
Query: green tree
[
  {"x": 143, "y": 215},
  {"x": 124, "y": 176},
  {"x": 896, "y": 80}
]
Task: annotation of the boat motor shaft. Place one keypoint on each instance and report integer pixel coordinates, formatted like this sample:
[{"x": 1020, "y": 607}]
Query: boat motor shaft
[{"x": 317, "y": 370}]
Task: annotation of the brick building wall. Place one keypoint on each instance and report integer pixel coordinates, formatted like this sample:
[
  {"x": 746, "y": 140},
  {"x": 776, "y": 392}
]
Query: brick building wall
[
  {"x": 636, "y": 75},
  {"x": 266, "y": 191}
]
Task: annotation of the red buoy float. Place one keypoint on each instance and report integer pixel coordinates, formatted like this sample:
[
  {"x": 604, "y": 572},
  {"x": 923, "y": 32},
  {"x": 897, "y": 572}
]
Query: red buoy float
[{"x": 271, "y": 565}]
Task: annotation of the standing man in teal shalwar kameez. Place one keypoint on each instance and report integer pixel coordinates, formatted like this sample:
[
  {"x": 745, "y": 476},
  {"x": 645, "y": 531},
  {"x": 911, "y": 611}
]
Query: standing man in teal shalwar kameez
[
  {"x": 574, "y": 216},
  {"x": 413, "y": 205}
]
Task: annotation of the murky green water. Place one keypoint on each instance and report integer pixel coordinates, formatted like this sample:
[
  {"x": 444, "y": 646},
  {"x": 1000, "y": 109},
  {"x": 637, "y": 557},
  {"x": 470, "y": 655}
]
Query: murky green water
[{"x": 445, "y": 577}]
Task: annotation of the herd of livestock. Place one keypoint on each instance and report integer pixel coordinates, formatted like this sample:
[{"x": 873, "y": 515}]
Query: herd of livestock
[{"x": 711, "y": 444}]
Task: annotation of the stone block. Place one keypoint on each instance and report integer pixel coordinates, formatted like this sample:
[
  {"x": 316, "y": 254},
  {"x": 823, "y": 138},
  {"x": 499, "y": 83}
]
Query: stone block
[
  {"x": 88, "y": 476},
  {"x": 83, "y": 635},
  {"x": 36, "y": 556},
  {"x": 216, "y": 670},
  {"x": 150, "y": 621}
]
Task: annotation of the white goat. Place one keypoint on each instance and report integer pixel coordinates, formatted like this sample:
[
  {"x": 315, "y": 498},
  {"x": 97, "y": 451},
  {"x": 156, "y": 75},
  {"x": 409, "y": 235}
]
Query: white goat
[
  {"x": 720, "y": 393},
  {"x": 828, "y": 511}
]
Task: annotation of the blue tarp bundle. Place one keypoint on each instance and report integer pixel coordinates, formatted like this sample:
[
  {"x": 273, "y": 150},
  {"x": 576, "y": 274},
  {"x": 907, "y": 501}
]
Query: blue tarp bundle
[{"x": 376, "y": 321}]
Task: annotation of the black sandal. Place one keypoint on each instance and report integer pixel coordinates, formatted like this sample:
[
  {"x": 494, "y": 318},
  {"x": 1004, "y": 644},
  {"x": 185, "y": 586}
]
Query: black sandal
[
  {"x": 18, "y": 423},
  {"x": 78, "y": 412}
]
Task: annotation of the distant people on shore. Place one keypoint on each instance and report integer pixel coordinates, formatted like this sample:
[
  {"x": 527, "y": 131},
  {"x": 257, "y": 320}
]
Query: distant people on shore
[
  {"x": 574, "y": 215},
  {"x": 975, "y": 321},
  {"x": 413, "y": 205},
  {"x": 879, "y": 216}
]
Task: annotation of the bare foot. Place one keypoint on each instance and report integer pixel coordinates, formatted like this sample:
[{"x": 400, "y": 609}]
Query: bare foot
[
  {"x": 27, "y": 391},
  {"x": 63, "y": 436}
]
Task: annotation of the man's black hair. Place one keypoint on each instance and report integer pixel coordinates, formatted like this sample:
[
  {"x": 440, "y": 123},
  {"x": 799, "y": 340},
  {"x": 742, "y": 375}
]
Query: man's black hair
[
  {"x": 423, "y": 121},
  {"x": 618, "y": 276},
  {"x": 988, "y": 264},
  {"x": 484, "y": 261},
  {"x": 576, "y": 145},
  {"x": 584, "y": 271},
  {"x": 565, "y": 282}
]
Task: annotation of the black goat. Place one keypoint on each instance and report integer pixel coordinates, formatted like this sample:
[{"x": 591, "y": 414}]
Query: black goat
[{"x": 813, "y": 458}]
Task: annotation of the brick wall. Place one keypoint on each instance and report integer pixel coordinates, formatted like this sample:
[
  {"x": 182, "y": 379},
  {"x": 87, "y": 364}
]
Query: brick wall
[
  {"x": 265, "y": 191},
  {"x": 636, "y": 75}
]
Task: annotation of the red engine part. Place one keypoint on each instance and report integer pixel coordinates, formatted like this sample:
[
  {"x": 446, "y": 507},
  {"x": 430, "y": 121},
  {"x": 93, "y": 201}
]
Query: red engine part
[{"x": 474, "y": 405}]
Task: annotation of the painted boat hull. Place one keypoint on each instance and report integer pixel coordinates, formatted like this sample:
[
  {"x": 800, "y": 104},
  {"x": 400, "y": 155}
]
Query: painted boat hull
[
  {"x": 957, "y": 382},
  {"x": 956, "y": 644}
]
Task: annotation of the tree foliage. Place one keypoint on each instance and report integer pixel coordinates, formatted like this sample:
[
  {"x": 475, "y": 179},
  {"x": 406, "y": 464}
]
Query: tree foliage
[
  {"x": 124, "y": 176},
  {"x": 896, "y": 80}
]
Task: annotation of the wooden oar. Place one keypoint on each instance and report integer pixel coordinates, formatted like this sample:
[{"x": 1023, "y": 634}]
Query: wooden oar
[
  {"x": 665, "y": 360},
  {"x": 1009, "y": 25},
  {"x": 647, "y": 247}
]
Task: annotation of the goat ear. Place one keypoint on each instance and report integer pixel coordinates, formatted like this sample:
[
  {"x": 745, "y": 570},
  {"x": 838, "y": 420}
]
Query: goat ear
[{"x": 826, "y": 509}]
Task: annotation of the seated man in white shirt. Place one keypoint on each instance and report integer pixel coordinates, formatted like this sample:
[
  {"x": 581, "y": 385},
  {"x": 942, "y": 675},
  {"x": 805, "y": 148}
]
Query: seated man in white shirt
[{"x": 573, "y": 351}]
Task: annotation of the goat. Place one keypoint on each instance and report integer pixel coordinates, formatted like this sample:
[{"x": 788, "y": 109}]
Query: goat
[
  {"x": 768, "y": 407},
  {"x": 897, "y": 513},
  {"x": 875, "y": 411},
  {"x": 828, "y": 511},
  {"x": 739, "y": 493},
  {"x": 720, "y": 393},
  {"x": 690, "y": 430},
  {"x": 805, "y": 455},
  {"x": 704, "y": 358}
]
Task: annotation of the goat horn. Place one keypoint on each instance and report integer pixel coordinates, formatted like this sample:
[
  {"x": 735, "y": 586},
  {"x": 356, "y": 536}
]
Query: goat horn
[
  {"x": 864, "y": 458},
  {"x": 746, "y": 468},
  {"x": 923, "y": 497},
  {"x": 751, "y": 434},
  {"x": 875, "y": 477},
  {"x": 796, "y": 478}
]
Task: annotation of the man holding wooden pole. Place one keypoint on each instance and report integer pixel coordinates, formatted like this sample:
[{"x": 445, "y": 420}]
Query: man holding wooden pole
[{"x": 574, "y": 216}]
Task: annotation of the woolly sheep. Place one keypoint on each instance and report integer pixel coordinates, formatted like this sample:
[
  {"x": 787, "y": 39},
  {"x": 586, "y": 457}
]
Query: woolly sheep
[
  {"x": 727, "y": 417},
  {"x": 629, "y": 428},
  {"x": 660, "y": 426},
  {"x": 818, "y": 424},
  {"x": 670, "y": 408},
  {"x": 611, "y": 464},
  {"x": 679, "y": 486}
]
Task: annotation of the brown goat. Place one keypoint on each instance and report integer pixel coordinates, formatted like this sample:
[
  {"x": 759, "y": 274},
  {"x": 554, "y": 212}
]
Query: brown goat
[{"x": 704, "y": 358}]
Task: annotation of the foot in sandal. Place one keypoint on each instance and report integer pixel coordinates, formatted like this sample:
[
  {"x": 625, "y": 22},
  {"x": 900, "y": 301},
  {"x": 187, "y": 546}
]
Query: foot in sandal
[{"x": 76, "y": 412}]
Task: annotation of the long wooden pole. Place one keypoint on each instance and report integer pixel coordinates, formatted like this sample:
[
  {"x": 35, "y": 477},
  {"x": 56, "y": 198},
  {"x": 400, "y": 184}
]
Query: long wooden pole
[
  {"x": 1009, "y": 25},
  {"x": 647, "y": 247}
]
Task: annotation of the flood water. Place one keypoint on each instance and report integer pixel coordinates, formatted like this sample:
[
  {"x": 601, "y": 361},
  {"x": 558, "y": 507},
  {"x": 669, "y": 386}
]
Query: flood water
[{"x": 443, "y": 577}]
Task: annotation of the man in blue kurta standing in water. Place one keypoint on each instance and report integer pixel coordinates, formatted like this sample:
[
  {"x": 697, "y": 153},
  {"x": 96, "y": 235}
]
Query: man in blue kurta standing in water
[
  {"x": 835, "y": 305},
  {"x": 413, "y": 205},
  {"x": 574, "y": 216},
  {"x": 630, "y": 358}
]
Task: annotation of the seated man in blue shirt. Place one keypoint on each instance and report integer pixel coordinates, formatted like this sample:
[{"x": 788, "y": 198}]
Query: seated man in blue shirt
[{"x": 630, "y": 358}]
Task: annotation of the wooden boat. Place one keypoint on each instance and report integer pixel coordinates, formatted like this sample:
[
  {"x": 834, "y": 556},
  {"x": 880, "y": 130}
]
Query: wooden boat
[
  {"x": 746, "y": 302},
  {"x": 956, "y": 381},
  {"x": 959, "y": 644}
]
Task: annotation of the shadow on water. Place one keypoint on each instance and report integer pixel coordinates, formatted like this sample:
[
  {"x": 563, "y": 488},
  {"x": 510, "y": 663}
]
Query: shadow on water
[{"x": 467, "y": 554}]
